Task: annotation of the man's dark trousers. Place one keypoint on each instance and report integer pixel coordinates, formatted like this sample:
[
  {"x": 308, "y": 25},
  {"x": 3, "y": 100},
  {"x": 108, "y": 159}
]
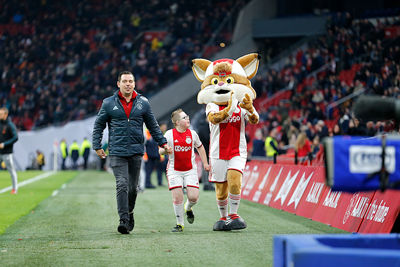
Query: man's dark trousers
[{"x": 126, "y": 171}]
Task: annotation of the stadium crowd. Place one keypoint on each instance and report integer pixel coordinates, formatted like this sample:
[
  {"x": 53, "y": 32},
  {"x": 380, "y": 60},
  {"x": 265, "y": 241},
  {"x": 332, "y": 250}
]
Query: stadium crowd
[
  {"x": 58, "y": 60},
  {"x": 58, "y": 66},
  {"x": 354, "y": 56}
]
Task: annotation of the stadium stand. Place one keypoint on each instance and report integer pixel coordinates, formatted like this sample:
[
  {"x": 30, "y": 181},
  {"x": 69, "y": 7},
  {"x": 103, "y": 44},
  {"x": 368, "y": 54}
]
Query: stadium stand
[
  {"x": 355, "y": 56},
  {"x": 58, "y": 60}
]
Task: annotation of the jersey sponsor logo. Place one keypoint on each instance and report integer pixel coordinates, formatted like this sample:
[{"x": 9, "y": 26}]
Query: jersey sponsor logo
[
  {"x": 182, "y": 148},
  {"x": 232, "y": 119}
]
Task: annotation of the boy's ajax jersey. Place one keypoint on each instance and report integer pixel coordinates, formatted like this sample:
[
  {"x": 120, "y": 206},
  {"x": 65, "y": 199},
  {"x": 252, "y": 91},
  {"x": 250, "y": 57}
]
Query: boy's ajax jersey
[
  {"x": 227, "y": 138},
  {"x": 183, "y": 144}
]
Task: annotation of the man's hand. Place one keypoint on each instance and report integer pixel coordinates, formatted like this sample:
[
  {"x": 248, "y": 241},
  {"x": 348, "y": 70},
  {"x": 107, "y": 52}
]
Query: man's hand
[
  {"x": 101, "y": 153},
  {"x": 167, "y": 149},
  {"x": 1, "y": 145}
]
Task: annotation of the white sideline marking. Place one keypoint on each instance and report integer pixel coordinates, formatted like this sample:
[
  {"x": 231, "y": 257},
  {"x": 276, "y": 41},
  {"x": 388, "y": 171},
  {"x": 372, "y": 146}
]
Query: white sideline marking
[
  {"x": 55, "y": 192},
  {"x": 29, "y": 181}
]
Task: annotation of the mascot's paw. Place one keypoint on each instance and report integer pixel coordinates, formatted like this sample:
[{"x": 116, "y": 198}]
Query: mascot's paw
[
  {"x": 236, "y": 222},
  {"x": 247, "y": 103},
  {"x": 220, "y": 225}
]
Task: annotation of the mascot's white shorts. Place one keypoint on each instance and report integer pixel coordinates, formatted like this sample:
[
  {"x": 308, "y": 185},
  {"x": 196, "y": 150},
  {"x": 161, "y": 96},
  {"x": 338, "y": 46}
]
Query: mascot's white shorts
[
  {"x": 177, "y": 179},
  {"x": 220, "y": 167}
]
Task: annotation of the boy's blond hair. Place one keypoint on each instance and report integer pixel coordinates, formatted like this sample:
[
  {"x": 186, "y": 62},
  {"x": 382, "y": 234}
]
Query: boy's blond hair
[{"x": 175, "y": 115}]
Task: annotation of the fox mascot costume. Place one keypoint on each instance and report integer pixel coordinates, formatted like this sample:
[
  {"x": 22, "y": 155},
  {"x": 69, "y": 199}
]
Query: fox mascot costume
[{"x": 227, "y": 92}]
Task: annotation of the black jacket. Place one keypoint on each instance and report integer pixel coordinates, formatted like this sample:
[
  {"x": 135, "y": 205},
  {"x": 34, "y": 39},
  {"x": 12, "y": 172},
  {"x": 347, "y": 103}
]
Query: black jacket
[
  {"x": 125, "y": 136},
  {"x": 8, "y": 136}
]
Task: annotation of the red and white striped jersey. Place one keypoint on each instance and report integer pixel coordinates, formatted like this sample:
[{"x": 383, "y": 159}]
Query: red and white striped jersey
[
  {"x": 183, "y": 144},
  {"x": 227, "y": 138}
]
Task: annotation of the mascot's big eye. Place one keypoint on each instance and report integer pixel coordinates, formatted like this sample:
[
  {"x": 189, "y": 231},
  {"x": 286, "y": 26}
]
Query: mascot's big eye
[
  {"x": 229, "y": 80},
  {"x": 214, "y": 81}
]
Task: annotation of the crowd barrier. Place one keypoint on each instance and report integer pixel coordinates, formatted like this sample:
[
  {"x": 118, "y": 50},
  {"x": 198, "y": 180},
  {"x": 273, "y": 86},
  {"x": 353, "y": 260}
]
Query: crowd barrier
[{"x": 301, "y": 190}]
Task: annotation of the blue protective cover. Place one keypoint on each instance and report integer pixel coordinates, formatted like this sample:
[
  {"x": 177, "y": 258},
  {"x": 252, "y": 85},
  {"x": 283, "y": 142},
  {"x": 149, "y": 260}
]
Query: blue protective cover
[
  {"x": 349, "y": 161},
  {"x": 337, "y": 250}
]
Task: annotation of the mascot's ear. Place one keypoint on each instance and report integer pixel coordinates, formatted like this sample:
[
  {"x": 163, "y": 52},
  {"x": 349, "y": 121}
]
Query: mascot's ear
[
  {"x": 199, "y": 67},
  {"x": 250, "y": 64}
]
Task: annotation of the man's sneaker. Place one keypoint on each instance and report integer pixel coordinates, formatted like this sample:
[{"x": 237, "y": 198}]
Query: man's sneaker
[
  {"x": 131, "y": 223},
  {"x": 123, "y": 227},
  {"x": 220, "y": 225},
  {"x": 190, "y": 216},
  {"x": 13, "y": 192},
  {"x": 235, "y": 222},
  {"x": 177, "y": 228}
]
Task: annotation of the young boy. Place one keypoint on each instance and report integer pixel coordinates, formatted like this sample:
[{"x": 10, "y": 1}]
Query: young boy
[{"x": 181, "y": 169}]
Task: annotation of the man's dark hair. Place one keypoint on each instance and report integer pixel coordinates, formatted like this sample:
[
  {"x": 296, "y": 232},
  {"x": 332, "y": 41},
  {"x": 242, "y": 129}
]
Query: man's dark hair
[{"x": 124, "y": 72}]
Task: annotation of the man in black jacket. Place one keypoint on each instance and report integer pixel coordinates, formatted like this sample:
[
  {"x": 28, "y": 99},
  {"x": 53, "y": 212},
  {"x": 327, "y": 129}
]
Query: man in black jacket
[
  {"x": 8, "y": 137},
  {"x": 124, "y": 113}
]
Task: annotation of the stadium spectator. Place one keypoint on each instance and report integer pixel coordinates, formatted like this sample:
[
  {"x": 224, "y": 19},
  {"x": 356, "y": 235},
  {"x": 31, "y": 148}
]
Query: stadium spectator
[
  {"x": 182, "y": 168},
  {"x": 85, "y": 152},
  {"x": 162, "y": 167},
  {"x": 152, "y": 161},
  {"x": 40, "y": 159},
  {"x": 316, "y": 145},
  {"x": 74, "y": 154},
  {"x": 258, "y": 149},
  {"x": 8, "y": 137},
  {"x": 271, "y": 144},
  {"x": 64, "y": 153},
  {"x": 303, "y": 145},
  {"x": 125, "y": 114},
  {"x": 371, "y": 131}
]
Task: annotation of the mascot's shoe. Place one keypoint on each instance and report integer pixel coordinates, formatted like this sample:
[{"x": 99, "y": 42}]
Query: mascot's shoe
[
  {"x": 221, "y": 225},
  {"x": 235, "y": 222},
  {"x": 177, "y": 228}
]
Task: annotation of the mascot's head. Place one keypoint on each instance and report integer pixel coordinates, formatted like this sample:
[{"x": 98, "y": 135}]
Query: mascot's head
[{"x": 223, "y": 76}]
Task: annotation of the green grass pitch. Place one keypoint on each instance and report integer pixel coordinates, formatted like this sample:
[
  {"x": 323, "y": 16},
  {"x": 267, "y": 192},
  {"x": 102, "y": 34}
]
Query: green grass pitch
[{"x": 77, "y": 227}]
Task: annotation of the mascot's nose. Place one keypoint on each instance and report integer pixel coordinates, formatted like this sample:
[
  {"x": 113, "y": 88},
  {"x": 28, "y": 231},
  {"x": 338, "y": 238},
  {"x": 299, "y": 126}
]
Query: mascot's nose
[{"x": 220, "y": 83}]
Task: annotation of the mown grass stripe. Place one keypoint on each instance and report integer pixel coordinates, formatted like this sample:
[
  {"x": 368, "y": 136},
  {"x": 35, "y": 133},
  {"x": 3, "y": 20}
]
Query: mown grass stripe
[
  {"x": 29, "y": 181},
  {"x": 12, "y": 207}
]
